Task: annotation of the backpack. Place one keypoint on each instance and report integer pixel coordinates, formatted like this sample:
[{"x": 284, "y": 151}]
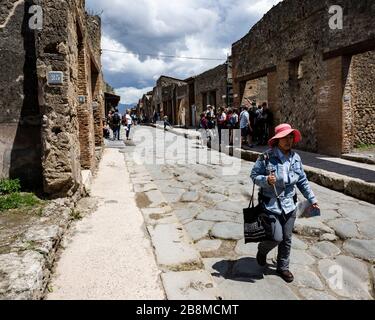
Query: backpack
[
  {"x": 211, "y": 124},
  {"x": 116, "y": 119},
  {"x": 233, "y": 121}
]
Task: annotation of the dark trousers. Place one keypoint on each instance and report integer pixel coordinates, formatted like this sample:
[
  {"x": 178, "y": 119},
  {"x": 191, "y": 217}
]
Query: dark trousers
[
  {"x": 116, "y": 132},
  {"x": 129, "y": 126},
  {"x": 282, "y": 231}
]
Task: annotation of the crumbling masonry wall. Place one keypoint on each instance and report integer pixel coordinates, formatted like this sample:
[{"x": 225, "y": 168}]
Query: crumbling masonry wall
[
  {"x": 209, "y": 81},
  {"x": 41, "y": 123},
  {"x": 306, "y": 63},
  {"x": 20, "y": 125}
]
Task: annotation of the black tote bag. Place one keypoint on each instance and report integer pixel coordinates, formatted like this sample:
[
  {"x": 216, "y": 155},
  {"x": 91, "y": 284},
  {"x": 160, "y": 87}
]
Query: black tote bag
[{"x": 255, "y": 228}]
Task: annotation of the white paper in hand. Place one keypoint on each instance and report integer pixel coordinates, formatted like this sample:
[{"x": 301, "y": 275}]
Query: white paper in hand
[{"x": 306, "y": 210}]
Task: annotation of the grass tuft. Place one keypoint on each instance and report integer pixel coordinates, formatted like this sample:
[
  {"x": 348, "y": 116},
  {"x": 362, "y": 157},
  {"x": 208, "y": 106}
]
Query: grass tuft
[
  {"x": 18, "y": 200},
  {"x": 8, "y": 186}
]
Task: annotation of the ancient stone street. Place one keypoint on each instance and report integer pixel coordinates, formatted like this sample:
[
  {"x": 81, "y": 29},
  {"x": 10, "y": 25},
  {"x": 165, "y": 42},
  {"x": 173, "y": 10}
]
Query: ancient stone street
[
  {"x": 132, "y": 135},
  {"x": 188, "y": 187}
]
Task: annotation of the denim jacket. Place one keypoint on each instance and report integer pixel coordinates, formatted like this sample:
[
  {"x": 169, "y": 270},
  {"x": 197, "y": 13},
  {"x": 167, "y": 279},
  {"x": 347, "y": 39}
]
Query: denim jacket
[{"x": 270, "y": 161}]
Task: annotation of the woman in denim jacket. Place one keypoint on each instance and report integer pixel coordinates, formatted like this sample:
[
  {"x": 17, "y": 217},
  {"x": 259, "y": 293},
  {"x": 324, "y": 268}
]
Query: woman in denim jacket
[{"x": 277, "y": 172}]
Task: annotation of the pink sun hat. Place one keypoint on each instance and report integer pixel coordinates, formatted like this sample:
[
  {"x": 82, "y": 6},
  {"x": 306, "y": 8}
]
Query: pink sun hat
[{"x": 282, "y": 131}]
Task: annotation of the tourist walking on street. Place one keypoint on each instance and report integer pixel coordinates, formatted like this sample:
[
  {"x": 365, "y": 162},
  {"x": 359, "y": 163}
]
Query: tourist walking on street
[
  {"x": 246, "y": 128},
  {"x": 221, "y": 122},
  {"x": 116, "y": 123},
  {"x": 129, "y": 122},
  {"x": 277, "y": 172},
  {"x": 166, "y": 123},
  {"x": 268, "y": 118}
]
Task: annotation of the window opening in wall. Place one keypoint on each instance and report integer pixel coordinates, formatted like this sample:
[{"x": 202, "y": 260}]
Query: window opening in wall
[{"x": 296, "y": 70}]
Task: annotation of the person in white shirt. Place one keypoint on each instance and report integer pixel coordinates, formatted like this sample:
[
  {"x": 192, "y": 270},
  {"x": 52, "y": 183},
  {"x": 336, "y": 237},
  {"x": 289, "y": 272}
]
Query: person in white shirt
[
  {"x": 129, "y": 122},
  {"x": 245, "y": 126}
]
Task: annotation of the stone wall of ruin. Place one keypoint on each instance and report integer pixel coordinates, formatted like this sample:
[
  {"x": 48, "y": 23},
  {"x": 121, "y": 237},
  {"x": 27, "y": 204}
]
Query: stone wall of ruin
[
  {"x": 295, "y": 48},
  {"x": 46, "y": 135},
  {"x": 20, "y": 140},
  {"x": 57, "y": 51},
  {"x": 211, "y": 80}
]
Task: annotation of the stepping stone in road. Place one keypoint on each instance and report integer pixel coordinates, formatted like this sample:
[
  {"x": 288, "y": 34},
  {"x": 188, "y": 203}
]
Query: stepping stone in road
[
  {"x": 191, "y": 196},
  {"x": 298, "y": 244},
  {"x": 249, "y": 249},
  {"x": 328, "y": 237},
  {"x": 231, "y": 206},
  {"x": 186, "y": 215},
  {"x": 269, "y": 288},
  {"x": 301, "y": 257},
  {"x": 199, "y": 229},
  {"x": 208, "y": 245},
  {"x": 311, "y": 294},
  {"x": 347, "y": 277},
  {"x": 214, "y": 198},
  {"x": 219, "y": 216},
  {"x": 344, "y": 228},
  {"x": 325, "y": 250},
  {"x": 227, "y": 231},
  {"x": 190, "y": 285},
  {"x": 364, "y": 249},
  {"x": 311, "y": 227},
  {"x": 173, "y": 249},
  {"x": 367, "y": 229},
  {"x": 305, "y": 278},
  {"x": 358, "y": 213}
]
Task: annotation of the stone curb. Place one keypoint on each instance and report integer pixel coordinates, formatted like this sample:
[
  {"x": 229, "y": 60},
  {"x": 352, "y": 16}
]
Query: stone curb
[
  {"x": 358, "y": 158},
  {"x": 353, "y": 187}
]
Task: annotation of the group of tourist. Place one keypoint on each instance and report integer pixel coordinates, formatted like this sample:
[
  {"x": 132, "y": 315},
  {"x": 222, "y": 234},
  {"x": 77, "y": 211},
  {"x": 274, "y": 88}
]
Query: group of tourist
[
  {"x": 255, "y": 123},
  {"x": 114, "y": 121}
]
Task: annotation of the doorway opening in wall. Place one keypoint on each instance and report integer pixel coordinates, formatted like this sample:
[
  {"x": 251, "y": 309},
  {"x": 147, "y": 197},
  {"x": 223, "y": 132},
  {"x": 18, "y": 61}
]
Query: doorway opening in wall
[
  {"x": 209, "y": 98},
  {"x": 255, "y": 90}
]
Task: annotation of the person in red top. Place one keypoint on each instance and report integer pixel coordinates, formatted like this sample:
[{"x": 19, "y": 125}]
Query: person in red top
[{"x": 203, "y": 124}]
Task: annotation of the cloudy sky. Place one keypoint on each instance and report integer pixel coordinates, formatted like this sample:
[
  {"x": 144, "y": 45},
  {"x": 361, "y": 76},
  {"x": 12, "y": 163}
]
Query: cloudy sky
[{"x": 149, "y": 29}]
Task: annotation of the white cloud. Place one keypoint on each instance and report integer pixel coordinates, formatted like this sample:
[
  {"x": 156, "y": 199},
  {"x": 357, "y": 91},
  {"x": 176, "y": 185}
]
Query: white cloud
[
  {"x": 261, "y": 6},
  {"x": 130, "y": 94},
  {"x": 190, "y": 28}
]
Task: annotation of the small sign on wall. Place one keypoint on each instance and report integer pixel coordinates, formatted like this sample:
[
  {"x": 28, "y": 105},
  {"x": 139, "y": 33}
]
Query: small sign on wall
[
  {"x": 55, "y": 77},
  {"x": 81, "y": 99}
]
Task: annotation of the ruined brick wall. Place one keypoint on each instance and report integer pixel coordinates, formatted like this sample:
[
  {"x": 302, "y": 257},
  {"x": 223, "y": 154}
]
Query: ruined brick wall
[
  {"x": 20, "y": 118},
  {"x": 211, "y": 80},
  {"x": 293, "y": 45}
]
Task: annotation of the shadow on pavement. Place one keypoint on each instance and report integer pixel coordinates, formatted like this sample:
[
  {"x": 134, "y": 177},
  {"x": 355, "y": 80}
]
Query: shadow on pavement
[{"x": 243, "y": 270}]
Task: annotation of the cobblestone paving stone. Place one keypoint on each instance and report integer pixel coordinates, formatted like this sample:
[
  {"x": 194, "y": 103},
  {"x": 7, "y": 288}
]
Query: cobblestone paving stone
[{"x": 324, "y": 266}]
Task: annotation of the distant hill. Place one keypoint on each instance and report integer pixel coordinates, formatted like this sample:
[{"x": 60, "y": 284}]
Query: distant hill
[{"x": 123, "y": 107}]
